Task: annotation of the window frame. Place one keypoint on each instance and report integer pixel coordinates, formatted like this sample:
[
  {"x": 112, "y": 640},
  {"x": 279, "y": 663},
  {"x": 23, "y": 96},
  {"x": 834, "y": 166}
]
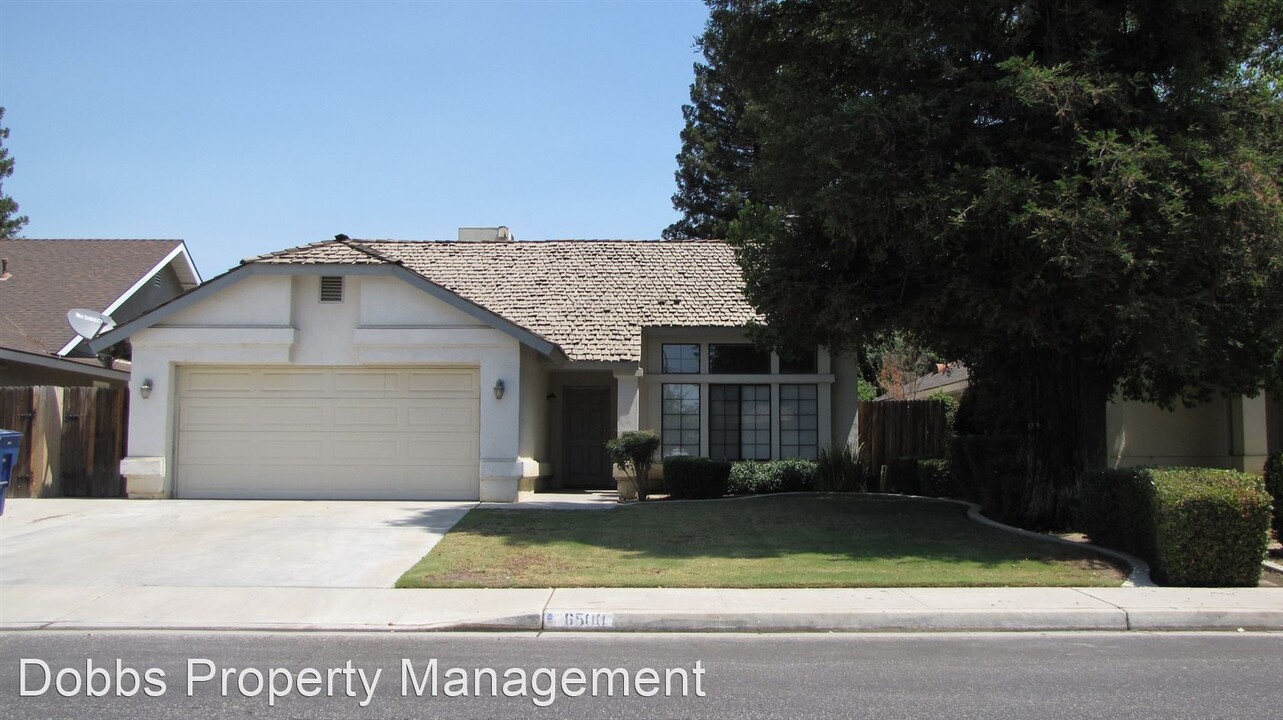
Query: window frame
[
  {"x": 712, "y": 354},
  {"x": 663, "y": 359},
  {"x": 791, "y": 438},
  {"x": 683, "y": 422},
  {"x": 718, "y": 436}
]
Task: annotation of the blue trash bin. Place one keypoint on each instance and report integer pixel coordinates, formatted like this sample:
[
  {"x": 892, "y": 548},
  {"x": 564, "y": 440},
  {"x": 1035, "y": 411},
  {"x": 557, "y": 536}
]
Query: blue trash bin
[{"x": 10, "y": 441}]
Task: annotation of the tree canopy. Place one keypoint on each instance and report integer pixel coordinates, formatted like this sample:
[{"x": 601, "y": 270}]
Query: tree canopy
[
  {"x": 1090, "y": 189},
  {"x": 11, "y": 223}
]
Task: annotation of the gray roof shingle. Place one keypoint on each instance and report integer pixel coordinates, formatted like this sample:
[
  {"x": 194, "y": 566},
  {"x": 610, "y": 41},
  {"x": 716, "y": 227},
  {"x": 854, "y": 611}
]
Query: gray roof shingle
[
  {"x": 591, "y": 297},
  {"x": 50, "y": 277}
]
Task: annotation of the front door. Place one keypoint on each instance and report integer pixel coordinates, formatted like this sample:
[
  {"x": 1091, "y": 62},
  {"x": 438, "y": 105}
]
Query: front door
[{"x": 586, "y": 429}]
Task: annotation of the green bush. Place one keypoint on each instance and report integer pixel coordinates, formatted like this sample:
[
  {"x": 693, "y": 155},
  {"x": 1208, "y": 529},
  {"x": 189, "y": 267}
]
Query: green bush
[
  {"x": 1274, "y": 485},
  {"x": 1195, "y": 526},
  {"x": 751, "y": 477},
  {"x": 902, "y": 477},
  {"x": 935, "y": 479},
  {"x": 992, "y": 469},
  {"x": 696, "y": 477},
  {"x": 840, "y": 470},
  {"x": 633, "y": 452}
]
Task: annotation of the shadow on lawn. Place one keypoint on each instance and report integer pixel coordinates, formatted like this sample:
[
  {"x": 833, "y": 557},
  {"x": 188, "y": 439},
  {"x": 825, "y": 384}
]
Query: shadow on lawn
[{"x": 839, "y": 526}]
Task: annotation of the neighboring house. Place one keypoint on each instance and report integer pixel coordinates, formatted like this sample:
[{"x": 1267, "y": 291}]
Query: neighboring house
[
  {"x": 46, "y": 278},
  {"x": 461, "y": 370},
  {"x": 1230, "y": 432}
]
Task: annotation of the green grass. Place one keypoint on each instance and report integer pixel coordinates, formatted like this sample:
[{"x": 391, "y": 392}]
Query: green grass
[{"x": 782, "y": 541}]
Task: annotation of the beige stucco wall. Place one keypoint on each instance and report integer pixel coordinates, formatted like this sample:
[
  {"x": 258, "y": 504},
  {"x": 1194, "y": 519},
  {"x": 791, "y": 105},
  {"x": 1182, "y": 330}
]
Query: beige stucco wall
[
  {"x": 277, "y": 320},
  {"x": 1224, "y": 433}
]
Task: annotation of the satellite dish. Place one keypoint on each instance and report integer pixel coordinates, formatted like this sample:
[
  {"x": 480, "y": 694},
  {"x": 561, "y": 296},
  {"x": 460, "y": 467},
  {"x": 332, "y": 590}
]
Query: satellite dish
[{"x": 87, "y": 323}]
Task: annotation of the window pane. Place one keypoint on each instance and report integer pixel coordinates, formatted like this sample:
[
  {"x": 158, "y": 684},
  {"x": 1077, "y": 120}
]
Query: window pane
[
  {"x": 681, "y": 358},
  {"x": 680, "y": 421},
  {"x": 804, "y": 363},
  {"x": 799, "y": 422},
  {"x": 737, "y": 359}
]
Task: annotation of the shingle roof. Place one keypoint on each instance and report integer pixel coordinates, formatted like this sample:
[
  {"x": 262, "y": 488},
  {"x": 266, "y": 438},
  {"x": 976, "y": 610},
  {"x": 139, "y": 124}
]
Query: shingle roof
[
  {"x": 591, "y": 297},
  {"x": 49, "y": 277}
]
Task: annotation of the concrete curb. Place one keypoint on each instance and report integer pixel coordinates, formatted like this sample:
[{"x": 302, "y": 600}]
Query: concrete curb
[{"x": 642, "y": 610}]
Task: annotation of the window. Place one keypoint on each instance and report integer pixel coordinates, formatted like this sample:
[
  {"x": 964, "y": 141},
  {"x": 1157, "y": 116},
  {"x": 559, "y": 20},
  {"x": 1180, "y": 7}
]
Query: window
[
  {"x": 738, "y": 360},
  {"x": 803, "y": 363},
  {"x": 739, "y": 422},
  {"x": 680, "y": 419},
  {"x": 332, "y": 289},
  {"x": 799, "y": 421},
  {"x": 683, "y": 358}
]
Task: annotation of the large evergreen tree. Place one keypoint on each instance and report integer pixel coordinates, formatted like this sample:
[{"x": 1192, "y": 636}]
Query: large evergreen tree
[
  {"x": 1075, "y": 198},
  {"x": 11, "y": 223}
]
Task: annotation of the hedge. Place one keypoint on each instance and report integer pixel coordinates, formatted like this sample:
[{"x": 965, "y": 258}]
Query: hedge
[
  {"x": 1274, "y": 485},
  {"x": 1195, "y": 526},
  {"x": 750, "y": 477},
  {"x": 696, "y": 477}
]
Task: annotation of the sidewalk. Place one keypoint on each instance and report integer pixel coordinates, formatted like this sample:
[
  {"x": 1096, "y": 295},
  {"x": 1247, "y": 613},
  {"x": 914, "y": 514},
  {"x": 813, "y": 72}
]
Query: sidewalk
[{"x": 62, "y": 607}]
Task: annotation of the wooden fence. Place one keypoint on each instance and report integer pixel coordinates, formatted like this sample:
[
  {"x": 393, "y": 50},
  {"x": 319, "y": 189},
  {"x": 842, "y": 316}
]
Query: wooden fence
[
  {"x": 72, "y": 440},
  {"x": 894, "y": 429}
]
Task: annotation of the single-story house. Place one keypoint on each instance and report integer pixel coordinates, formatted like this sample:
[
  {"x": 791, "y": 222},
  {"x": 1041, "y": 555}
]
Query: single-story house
[
  {"x": 1229, "y": 432},
  {"x": 461, "y": 370},
  {"x": 41, "y": 280}
]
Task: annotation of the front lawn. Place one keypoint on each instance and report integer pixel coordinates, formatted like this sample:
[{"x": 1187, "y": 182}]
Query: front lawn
[{"x": 780, "y": 541}]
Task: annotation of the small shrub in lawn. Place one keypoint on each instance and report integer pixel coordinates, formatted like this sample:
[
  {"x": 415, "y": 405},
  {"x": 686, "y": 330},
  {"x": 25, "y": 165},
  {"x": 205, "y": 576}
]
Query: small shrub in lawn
[
  {"x": 840, "y": 470},
  {"x": 633, "y": 452},
  {"x": 696, "y": 477},
  {"x": 1274, "y": 485},
  {"x": 751, "y": 477},
  {"x": 1195, "y": 526}
]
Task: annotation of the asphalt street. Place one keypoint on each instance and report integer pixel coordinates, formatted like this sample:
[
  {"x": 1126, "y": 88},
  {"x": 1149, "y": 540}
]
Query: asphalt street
[{"x": 350, "y": 675}]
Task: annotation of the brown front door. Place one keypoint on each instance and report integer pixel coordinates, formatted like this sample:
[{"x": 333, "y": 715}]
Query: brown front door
[{"x": 587, "y": 427}]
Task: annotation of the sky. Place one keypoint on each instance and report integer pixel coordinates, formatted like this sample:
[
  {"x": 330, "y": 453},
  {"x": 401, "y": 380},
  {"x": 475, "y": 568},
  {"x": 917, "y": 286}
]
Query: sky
[{"x": 248, "y": 127}]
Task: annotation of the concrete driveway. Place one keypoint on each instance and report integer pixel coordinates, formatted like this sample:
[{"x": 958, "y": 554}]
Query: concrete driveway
[{"x": 218, "y": 543}]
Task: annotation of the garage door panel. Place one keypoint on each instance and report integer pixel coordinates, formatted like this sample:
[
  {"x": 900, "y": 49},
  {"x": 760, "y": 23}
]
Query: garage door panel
[
  {"x": 218, "y": 383},
  {"x": 328, "y": 433},
  {"x": 444, "y": 414},
  {"x": 306, "y": 384},
  {"x": 456, "y": 384}
]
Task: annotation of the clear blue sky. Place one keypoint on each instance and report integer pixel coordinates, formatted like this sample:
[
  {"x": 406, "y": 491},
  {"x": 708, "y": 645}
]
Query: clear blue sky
[{"x": 246, "y": 127}]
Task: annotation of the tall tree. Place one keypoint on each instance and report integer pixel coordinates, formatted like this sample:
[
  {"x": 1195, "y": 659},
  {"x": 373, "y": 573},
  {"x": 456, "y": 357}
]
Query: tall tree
[
  {"x": 11, "y": 223},
  {"x": 1074, "y": 198}
]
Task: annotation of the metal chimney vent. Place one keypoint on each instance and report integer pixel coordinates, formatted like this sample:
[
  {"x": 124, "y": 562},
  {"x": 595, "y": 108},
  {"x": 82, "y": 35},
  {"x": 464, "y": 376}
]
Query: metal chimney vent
[{"x": 485, "y": 234}]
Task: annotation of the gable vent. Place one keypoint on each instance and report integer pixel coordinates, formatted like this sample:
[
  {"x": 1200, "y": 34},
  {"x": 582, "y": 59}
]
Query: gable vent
[{"x": 332, "y": 289}]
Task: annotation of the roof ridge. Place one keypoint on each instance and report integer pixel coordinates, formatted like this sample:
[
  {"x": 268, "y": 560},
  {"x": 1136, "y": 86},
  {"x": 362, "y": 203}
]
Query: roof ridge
[{"x": 356, "y": 245}]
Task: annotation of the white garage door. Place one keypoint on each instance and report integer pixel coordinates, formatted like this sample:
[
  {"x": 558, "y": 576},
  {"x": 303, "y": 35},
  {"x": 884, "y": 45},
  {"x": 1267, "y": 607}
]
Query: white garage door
[{"x": 328, "y": 433}]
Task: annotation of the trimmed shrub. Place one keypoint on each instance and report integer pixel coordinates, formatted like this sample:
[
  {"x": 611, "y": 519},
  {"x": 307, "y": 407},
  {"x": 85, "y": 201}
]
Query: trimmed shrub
[
  {"x": 750, "y": 477},
  {"x": 935, "y": 479},
  {"x": 1274, "y": 486},
  {"x": 696, "y": 477},
  {"x": 1195, "y": 526},
  {"x": 994, "y": 472},
  {"x": 902, "y": 476},
  {"x": 840, "y": 470}
]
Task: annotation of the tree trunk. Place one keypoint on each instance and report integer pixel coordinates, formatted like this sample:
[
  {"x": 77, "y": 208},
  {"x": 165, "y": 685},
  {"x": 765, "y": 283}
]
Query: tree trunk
[{"x": 1063, "y": 403}]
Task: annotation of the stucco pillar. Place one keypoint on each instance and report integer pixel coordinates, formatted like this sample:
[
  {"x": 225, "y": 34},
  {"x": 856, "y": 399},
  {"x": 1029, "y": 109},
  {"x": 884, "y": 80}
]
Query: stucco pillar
[
  {"x": 501, "y": 470},
  {"x": 1248, "y": 439},
  {"x": 628, "y": 401}
]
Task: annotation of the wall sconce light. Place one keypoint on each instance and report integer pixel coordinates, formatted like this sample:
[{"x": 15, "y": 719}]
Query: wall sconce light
[
  {"x": 498, "y": 389},
  {"x": 146, "y": 388}
]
